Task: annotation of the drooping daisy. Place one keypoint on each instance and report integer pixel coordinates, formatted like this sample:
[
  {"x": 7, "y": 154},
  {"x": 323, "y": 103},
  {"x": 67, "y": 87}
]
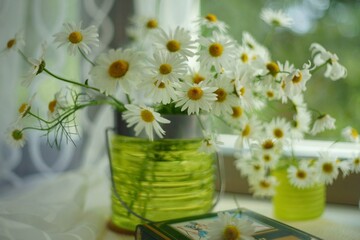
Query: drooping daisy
[
  {"x": 229, "y": 227},
  {"x": 57, "y": 105},
  {"x": 25, "y": 107},
  {"x": 210, "y": 21},
  {"x": 334, "y": 70},
  {"x": 167, "y": 67},
  {"x": 301, "y": 176},
  {"x": 217, "y": 51},
  {"x": 295, "y": 83},
  {"x": 276, "y": 18},
  {"x": 350, "y": 134},
  {"x": 77, "y": 38},
  {"x": 264, "y": 187},
  {"x": 322, "y": 123},
  {"x": 37, "y": 67},
  {"x": 15, "y": 43},
  {"x": 178, "y": 41},
  {"x": 327, "y": 167},
  {"x": 144, "y": 118},
  {"x": 209, "y": 144},
  {"x": 278, "y": 128},
  {"x": 116, "y": 67},
  {"x": 196, "y": 97},
  {"x": 16, "y": 136}
]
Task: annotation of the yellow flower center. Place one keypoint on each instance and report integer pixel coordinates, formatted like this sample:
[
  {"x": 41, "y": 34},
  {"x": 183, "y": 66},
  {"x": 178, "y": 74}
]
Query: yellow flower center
[
  {"x": 195, "y": 93},
  {"x": 354, "y": 133},
  {"x": 159, "y": 85},
  {"x": 52, "y": 105},
  {"x": 152, "y": 23},
  {"x": 357, "y": 161},
  {"x": 118, "y": 68},
  {"x": 264, "y": 184},
  {"x": 75, "y": 37},
  {"x": 17, "y": 135},
  {"x": 278, "y": 133},
  {"x": 256, "y": 167},
  {"x": 301, "y": 174},
  {"x": 273, "y": 68},
  {"x": 297, "y": 78},
  {"x": 147, "y": 116},
  {"x": 327, "y": 167},
  {"x": 211, "y": 17},
  {"x": 221, "y": 95},
  {"x": 24, "y": 108},
  {"x": 231, "y": 232},
  {"x": 270, "y": 94},
  {"x": 244, "y": 58},
  {"x": 197, "y": 78},
  {"x": 275, "y": 22},
  {"x": 216, "y": 49},
  {"x": 237, "y": 112},
  {"x": 246, "y": 131},
  {"x": 11, "y": 43},
  {"x": 267, "y": 158},
  {"x": 268, "y": 144},
  {"x": 165, "y": 69},
  {"x": 242, "y": 91},
  {"x": 173, "y": 46}
]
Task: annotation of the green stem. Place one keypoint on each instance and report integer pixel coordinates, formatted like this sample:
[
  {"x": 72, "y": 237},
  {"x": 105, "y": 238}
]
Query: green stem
[{"x": 85, "y": 57}]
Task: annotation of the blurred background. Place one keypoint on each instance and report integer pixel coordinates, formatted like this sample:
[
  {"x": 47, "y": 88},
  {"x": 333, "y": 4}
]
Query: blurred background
[{"x": 332, "y": 23}]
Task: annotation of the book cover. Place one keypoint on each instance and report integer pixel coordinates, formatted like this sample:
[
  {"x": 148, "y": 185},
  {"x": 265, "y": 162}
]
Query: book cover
[{"x": 196, "y": 228}]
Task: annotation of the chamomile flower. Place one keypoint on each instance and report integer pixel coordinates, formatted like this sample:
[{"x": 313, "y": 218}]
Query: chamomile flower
[
  {"x": 225, "y": 97},
  {"x": 57, "y": 105},
  {"x": 327, "y": 167},
  {"x": 116, "y": 68},
  {"x": 16, "y": 136},
  {"x": 167, "y": 67},
  {"x": 295, "y": 82},
  {"x": 334, "y": 70},
  {"x": 258, "y": 51},
  {"x": 278, "y": 128},
  {"x": 144, "y": 118},
  {"x": 350, "y": 134},
  {"x": 37, "y": 67},
  {"x": 229, "y": 227},
  {"x": 250, "y": 129},
  {"x": 216, "y": 51},
  {"x": 301, "y": 176},
  {"x": 300, "y": 123},
  {"x": 250, "y": 167},
  {"x": 142, "y": 27},
  {"x": 178, "y": 41},
  {"x": 236, "y": 116},
  {"x": 210, "y": 21},
  {"x": 196, "y": 97},
  {"x": 15, "y": 43},
  {"x": 25, "y": 107},
  {"x": 264, "y": 187},
  {"x": 322, "y": 123},
  {"x": 268, "y": 158},
  {"x": 354, "y": 163},
  {"x": 209, "y": 144},
  {"x": 276, "y": 18},
  {"x": 198, "y": 75},
  {"x": 160, "y": 92},
  {"x": 77, "y": 38}
]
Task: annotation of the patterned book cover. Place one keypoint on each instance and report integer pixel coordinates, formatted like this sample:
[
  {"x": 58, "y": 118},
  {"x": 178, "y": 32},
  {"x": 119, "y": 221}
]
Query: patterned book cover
[{"x": 196, "y": 228}]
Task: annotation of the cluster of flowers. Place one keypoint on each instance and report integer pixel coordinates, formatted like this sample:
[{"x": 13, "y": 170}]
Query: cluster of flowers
[{"x": 206, "y": 72}]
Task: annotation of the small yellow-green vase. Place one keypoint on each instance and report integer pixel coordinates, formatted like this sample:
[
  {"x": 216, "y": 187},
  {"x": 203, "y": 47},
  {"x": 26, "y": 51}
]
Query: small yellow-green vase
[{"x": 292, "y": 203}]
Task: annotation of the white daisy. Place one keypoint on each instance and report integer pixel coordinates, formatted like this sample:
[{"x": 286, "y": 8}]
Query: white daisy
[
  {"x": 300, "y": 123},
  {"x": 327, "y": 167},
  {"x": 268, "y": 158},
  {"x": 178, "y": 41},
  {"x": 15, "y": 43},
  {"x": 37, "y": 67},
  {"x": 229, "y": 227},
  {"x": 334, "y": 70},
  {"x": 57, "y": 105},
  {"x": 198, "y": 75},
  {"x": 196, "y": 97},
  {"x": 237, "y": 115},
  {"x": 159, "y": 92},
  {"x": 144, "y": 118},
  {"x": 167, "y": 67},
  {"x": 216, "y": 51},
  {"x": 276, "y": 18},
  {"x": 77, "y": 38},
  {"x": 322, "y": 123},
  {"x": 264, "y": 187},
  {"x": 295, "y": 82},
  {"x": 142, "y": 27},
  {"x": 117, "y": 67},
  {"x": 210, "y": 21},
  {"x": 250, "y": 129},
  {"x": 209, "y": 144},
  {"x": 16, "y": 136},
  {"x": 350, "y": 134},
  {"x": 355, "y": 163},
  {"x": 225, "y": 96},
  {"x": 278, "y": 128},
  {"x": 258, "y": 51},
  {"x": 250, "y": 167},
  {"x": 25, "y": 107},
  {"x": 301, "y": 176}
]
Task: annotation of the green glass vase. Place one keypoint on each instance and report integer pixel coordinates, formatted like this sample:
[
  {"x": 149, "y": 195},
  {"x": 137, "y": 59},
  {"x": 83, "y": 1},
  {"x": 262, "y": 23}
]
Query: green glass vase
[
  {"x": 292, "y": 203},
  {"x": 161, "y": 179}
]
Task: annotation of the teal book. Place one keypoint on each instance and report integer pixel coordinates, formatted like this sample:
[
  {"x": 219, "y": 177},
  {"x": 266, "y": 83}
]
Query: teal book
[{"x": 196, "y": 228}]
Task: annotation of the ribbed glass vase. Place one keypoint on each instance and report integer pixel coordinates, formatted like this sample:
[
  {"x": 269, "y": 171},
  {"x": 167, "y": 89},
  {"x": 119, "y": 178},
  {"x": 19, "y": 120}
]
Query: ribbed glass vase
[
  {"x": 292, "y": 203},
  {"x": 161, "y": 179}
]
